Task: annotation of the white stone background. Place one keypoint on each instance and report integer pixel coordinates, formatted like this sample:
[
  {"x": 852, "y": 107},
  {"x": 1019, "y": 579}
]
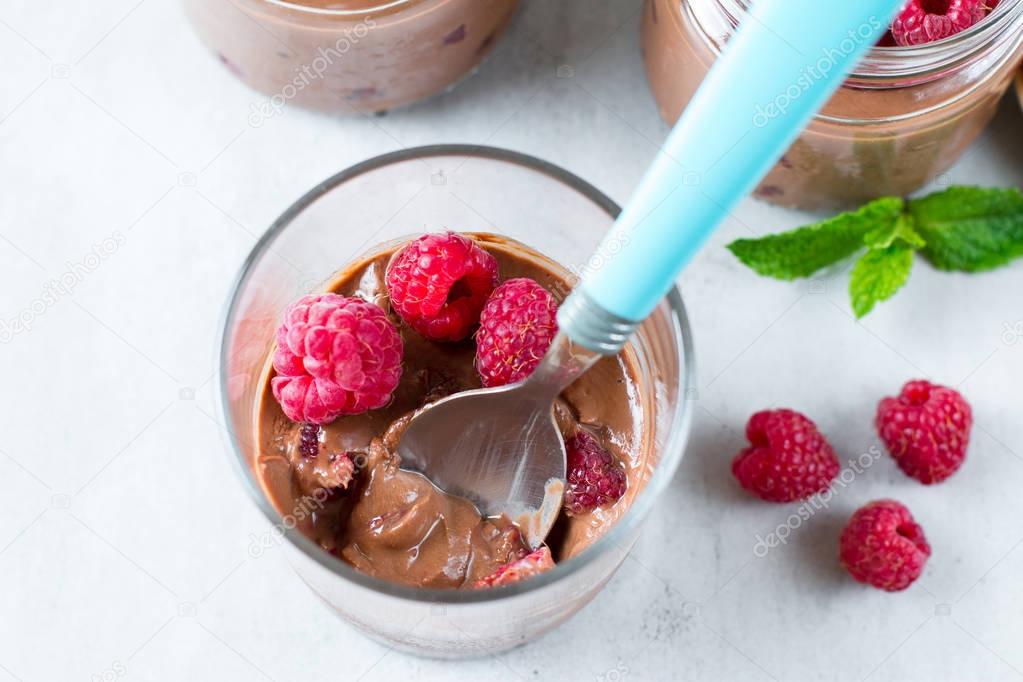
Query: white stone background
[{"x": 123, "y": 531}]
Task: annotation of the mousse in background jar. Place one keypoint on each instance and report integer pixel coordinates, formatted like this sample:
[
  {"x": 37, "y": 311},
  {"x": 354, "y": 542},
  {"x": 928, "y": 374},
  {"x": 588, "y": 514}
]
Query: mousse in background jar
[
  {"x": 902, "y": 118},
  {"x": 343, "y": 56}
]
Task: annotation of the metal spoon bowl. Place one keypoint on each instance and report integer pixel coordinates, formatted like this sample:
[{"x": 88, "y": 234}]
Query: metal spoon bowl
[{"x": 501, "y": 448}]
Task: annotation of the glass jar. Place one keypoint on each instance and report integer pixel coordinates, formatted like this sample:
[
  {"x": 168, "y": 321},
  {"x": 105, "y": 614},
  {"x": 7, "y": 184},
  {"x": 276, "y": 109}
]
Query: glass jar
[
  {"x": 900, "y": 120},
  {"x": 343, "y": 56},
  {"x": 427, "y": 189}
]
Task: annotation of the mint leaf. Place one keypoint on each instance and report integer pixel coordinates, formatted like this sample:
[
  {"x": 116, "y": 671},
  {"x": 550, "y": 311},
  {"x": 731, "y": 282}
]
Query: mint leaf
[
  {"x": 877, "y": 275},
  {"x": 804, "y": 251},
  {"x": 970, "y": 228},
  {"x": 901, "y": 230}
]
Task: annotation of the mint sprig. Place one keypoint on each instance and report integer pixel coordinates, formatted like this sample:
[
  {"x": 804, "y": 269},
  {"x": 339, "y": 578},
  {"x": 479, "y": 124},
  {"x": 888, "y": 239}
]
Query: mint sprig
[
  {"x": 804, "y": 251},
  {"x": 966, "y": 229}
]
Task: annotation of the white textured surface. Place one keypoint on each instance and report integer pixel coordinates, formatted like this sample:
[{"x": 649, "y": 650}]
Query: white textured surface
[{"x": 123, "y": 533}]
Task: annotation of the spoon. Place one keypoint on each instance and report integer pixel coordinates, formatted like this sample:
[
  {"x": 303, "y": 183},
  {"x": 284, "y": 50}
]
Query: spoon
[{"x": 500, "y": 447}]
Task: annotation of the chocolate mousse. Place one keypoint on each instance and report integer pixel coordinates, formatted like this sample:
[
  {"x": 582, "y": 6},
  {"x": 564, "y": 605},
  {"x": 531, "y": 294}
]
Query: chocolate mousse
[
  {"x": 896, "y": 124},
  {"x": 394, "y": 524},
  {"x": 342, "y": 56}
]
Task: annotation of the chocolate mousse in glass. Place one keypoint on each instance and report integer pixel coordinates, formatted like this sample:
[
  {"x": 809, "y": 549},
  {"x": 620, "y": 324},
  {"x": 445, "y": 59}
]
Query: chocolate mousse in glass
[
  {"x": 386, "y": 550},
  {"x": 394, "y": 524},
  {"x": 343, "y": 56},
  {"x": 901, "y": 119}
]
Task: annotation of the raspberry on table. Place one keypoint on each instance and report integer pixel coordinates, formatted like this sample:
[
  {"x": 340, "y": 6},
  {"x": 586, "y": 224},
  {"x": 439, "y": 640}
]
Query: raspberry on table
[
  {"x": 439, "y": 283},
  {"x": 883, "y": 546},
  {"x": 595, "y": 479},
  {"x": 528, "y": 566},
  {"x": 924, "y": 21},
  {"x": 517, "y": 325},
  {"x": 926, "y": 428},
  {"x": 788, "y": 458},
  {"x": 335, "y": 355}
]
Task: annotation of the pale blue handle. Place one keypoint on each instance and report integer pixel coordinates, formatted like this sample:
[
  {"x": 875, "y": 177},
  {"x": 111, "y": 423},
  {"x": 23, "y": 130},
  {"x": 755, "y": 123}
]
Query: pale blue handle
[{"x": 787, "y": 58}]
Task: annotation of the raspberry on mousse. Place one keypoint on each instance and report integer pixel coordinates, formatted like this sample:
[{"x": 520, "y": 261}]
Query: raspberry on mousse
[
  {"x": 883, "y": 546},
  {"x": 926, "y": 428},
  {"x": 315, "y": 469},
  {"x": 924, "y": 21},
  {"x": 595, "y": 479},
  {"x": 439, "y": 283},
  {"x": 336, "y": 355},
  {"x": 528, "y": 566},
  {"x": 517, "y": 325},
  {"x": 788, "y": 458}
]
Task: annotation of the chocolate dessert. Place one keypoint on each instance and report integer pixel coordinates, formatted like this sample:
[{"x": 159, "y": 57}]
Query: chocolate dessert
[
  {"x": 394, "y": 524},
  {"x": 342, "y": 56},
  {"x": 899, "y": 122}
]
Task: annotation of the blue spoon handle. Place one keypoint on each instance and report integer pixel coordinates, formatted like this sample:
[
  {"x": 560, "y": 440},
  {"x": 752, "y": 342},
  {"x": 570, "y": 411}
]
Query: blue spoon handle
[{"x": 785, "y": 61}]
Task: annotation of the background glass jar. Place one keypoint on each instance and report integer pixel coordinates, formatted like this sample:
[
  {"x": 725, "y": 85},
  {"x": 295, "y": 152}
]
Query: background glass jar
[
  {"x": 902, "y": 119},
  {"x": 468, "y": 189},
  {"x": 350, "y": 55}
]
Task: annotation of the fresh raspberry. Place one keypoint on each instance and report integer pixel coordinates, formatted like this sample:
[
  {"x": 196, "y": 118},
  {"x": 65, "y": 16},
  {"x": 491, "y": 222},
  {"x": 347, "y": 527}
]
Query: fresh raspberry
[
  {"x": 788, "y": 458},
  {"x": 335, "y": 356},
  {"x": 439, "y": 283},
  {"x": 883, "y": 546},
  {"x": 926, "y": 428},
  {"x": 532, "y": 564},
  {"x": 924, "y": 21},
  {"x": 595, "y": 479},
  {"x": 517, "y": 326}
]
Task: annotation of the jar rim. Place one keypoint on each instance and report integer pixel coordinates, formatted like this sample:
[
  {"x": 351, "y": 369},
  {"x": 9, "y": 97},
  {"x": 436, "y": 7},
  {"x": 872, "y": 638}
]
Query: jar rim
[
  {"x": 920, "y": 61},
  {"x": 382, "y": 5}
]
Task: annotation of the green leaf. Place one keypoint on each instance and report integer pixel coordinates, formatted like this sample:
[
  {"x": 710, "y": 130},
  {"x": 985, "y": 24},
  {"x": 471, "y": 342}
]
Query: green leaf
[
  {"x": 970, "y": 228},
  {"x": 901, "y": 230},
  {"x": 804, "y": 251},
  {"x": 877, "y": 275}
]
